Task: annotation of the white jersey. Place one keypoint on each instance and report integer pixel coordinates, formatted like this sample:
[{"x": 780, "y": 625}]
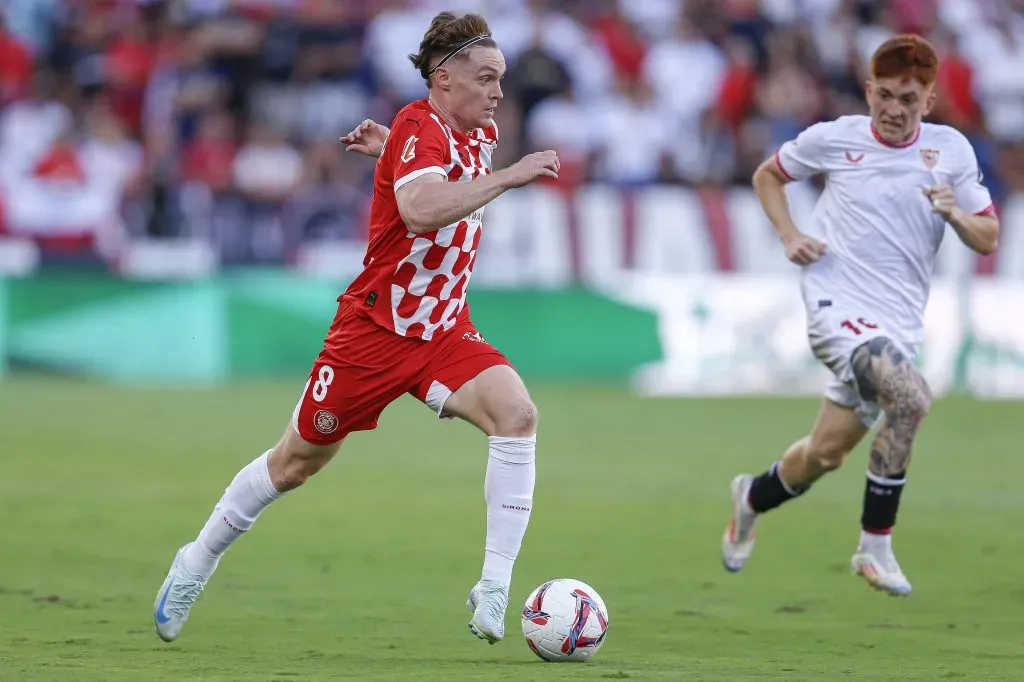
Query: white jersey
[{"x": 878, "y": 226}]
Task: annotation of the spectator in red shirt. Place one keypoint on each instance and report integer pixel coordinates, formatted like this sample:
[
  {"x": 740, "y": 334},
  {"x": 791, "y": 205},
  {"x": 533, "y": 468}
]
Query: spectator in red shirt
[
  {"x": 15, "y": 66},
  {"x": 209, "y": 159}
]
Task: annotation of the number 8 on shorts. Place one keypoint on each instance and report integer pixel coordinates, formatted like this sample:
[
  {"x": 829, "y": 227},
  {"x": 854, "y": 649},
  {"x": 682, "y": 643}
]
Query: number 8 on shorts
[{"x": 323, "y": 382}]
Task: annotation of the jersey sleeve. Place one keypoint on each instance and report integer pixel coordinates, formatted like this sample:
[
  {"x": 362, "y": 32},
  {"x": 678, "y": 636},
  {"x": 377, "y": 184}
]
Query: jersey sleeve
[
  {"x": 421, "y": 148},
  {"x": 968, "y": 183},
  {"x": 804, "y": 156}
]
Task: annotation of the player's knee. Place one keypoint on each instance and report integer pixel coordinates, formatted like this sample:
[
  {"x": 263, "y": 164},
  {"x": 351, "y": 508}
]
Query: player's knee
[
  {"x": 917, "y": 404},
  {"x": 293, "y": 471},
  {"x": 290, "y": 467},
  {"x": 886, "y": 376},
  {"x": 825, "y": 455},
  {"x": 517, "y": 420},
  {"x": 917, "y": 407},
  {"x": 907, "y": 394}
]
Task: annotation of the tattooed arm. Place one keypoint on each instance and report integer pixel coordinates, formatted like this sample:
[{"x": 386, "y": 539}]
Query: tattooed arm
[{"x": 885, "y": 376}]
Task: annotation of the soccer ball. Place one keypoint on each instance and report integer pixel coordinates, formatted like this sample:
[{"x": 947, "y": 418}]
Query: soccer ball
[{"x": 565, "y": 620}]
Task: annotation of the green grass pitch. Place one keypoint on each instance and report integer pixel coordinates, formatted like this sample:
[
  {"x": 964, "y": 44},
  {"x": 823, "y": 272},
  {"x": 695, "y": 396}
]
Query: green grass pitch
[{"x": 363, "y": 574}]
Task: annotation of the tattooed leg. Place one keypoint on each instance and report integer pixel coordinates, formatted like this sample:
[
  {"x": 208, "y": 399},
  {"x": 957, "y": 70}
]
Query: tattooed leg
[{"x": 886, "y": 377}]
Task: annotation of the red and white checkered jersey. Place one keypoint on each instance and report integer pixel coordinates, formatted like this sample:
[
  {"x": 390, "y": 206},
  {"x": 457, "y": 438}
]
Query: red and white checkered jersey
[{"x": 415, "y": 284}]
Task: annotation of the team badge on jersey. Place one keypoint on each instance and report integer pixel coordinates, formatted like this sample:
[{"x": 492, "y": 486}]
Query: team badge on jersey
[
  {"x": 409, "y": 150},
  {"x": 930, "y": 157}
]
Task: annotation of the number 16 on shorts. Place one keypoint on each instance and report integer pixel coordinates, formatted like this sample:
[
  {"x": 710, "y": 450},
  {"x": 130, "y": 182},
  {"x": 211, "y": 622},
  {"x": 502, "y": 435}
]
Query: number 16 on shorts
[{"x": 858, "y": 326}]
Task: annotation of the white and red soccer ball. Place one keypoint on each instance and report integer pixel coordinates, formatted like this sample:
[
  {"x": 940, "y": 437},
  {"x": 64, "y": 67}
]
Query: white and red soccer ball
[{"x": 565, "y": 620}]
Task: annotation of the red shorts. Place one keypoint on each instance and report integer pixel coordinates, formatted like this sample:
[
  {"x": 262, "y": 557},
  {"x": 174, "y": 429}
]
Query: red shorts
[{"x": 364, "y": 367}]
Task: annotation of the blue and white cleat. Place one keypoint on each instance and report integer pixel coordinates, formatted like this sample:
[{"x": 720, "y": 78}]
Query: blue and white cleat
[
  {"x": 881, "y": 571},
  {"x": 487, "y": 601},
  {"x": 176, "y": 598}
]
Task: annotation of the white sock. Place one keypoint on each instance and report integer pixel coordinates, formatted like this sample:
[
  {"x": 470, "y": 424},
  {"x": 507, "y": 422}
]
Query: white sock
[
  {"x": 250, "y": 492},
  {"x": 508, "y": 491},
  {"x": 874, "y": 542}
]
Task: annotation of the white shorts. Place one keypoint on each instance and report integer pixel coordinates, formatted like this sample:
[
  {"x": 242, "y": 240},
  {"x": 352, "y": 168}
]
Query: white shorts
[{"x": 834, "y": 334}]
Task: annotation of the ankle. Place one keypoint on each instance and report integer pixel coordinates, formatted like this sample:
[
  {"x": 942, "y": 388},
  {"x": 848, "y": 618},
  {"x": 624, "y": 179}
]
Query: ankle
[
  {"x": 769, "y": 490},
  {"x": 199, "y": 561},
  {"x": 876, "y": 540}
]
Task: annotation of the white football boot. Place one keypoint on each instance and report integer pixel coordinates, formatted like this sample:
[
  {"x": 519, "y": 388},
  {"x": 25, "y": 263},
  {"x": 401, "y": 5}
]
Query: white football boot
[
  {"x": 878, "y": 566},
  {"x": 738, "y": 541},
  {"x": 487, "y": 601},
  {"x": 176, "y": 598}
]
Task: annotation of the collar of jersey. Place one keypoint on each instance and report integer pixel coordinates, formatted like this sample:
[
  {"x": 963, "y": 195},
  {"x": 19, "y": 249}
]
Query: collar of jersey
[
  {"x": 460, "y": 137},
  {"x": 903, "y": 145}
]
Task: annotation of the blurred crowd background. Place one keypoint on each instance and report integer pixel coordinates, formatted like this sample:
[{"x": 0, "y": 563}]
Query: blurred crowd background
[{"x": 219, "y": 119}]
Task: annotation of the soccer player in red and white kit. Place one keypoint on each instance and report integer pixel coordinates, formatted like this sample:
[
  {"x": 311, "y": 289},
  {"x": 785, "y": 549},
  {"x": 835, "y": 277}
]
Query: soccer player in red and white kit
[
  {"x": 893, "y": 183},
  {"x": 403, "y": 325}
]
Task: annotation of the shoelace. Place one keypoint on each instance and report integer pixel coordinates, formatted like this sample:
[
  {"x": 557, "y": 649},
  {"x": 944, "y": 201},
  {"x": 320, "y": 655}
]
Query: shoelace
[
  {"x": 496, "y": 603},
  {"x": 184, "y": 594},
  {"x": 744, "y": 526}
]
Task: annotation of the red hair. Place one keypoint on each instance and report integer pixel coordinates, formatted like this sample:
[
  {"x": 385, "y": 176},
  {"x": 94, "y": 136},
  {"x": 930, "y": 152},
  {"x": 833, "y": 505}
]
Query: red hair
[{"x": 906, "y": 56}]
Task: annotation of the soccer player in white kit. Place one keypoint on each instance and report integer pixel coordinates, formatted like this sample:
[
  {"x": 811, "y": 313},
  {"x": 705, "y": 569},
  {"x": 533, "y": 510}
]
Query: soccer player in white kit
[{"x": 893, "y": 183}]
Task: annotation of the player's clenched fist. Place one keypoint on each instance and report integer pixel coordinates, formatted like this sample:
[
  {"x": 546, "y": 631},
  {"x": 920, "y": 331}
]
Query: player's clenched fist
[
  {"x": 803, "y": 250},
  {"x": 942, "y": 198},
  {"x": 532, "y": 166}
]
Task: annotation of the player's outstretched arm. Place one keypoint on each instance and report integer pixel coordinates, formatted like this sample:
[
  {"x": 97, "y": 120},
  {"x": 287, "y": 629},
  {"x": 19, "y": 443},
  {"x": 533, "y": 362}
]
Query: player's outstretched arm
[
  {"x": 979, "y": 232},
  {"x": 368, "y": 138},
  {"x": 430, "y": 202},
  {"x": 770, "y": 185}
]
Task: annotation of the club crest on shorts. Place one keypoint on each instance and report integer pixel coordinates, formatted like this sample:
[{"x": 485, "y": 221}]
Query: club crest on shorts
[
  {"x": 325, "y": 422},
  {"x": 930, "y": 157}
]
